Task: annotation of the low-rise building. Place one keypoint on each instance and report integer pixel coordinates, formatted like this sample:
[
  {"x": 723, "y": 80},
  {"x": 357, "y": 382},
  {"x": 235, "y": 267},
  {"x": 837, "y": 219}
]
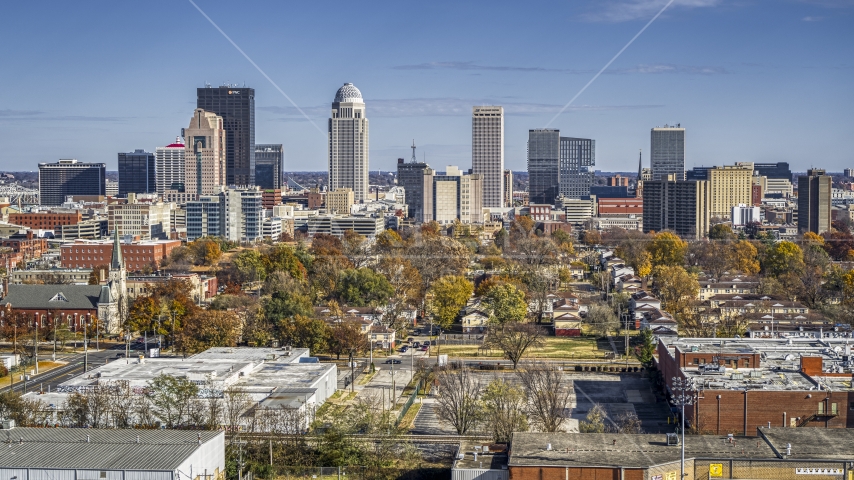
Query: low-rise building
[{"x": 138, "y": 256}]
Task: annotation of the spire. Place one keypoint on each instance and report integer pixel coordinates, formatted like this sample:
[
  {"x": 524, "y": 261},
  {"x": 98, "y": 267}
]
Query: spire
[
  {"x": 117, "y": 263},
  {"x": 640, "y": 163},
  {"x": 413, "y": 152}
]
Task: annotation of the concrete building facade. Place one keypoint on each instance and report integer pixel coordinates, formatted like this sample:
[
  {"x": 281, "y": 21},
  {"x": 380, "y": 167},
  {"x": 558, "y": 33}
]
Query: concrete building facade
[
  {"x": 678, "y": 205},
  {"x": 487, "y": 152},
  {"x": 667, "y": 152},
  {"x": 204, "y": 168},
  {"x": 577, "y": 157},
  {"x": 348, "y": 153},
  {"x": 814, "y": 201},
  {"x": 169, "y": 164},
  {"x": 729, "y": 186},
  {"x": 339, "y": 201},
  {"x": 70, "y": 177}
]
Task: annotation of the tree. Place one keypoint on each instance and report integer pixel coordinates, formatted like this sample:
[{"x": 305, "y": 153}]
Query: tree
[
  {"x": 503, "y": 406},
  {"x": 250, "y": 266},
  {"x": 645, "y": 353},
  {"x": 594, "y": 422},
  {"x": 450, "y": 294},
  {"x": 97, "y": 272},
  {"x": 721, "y": 231},
  {"x": 591, "y": 237},
  {"x": 505, "y": 303},
  {"x": 286, "y": 300},
  {"x": 744, "y": 257},
  {"x": 548, "y": 392},
  {"x": 627, "y": 423},
  {"x": 667, "y": 249},
  {"x": 205, "y": 251},
  {"x": 210, "y": 328},
  {"x": 457, "y": 401},
  {"x": 356, "y": 248},
  {"x": 602, "y": 319},
  {"x": 305, "y": 332},
  {"x": 782, "y": 257},
  {"x": 363, "y": 287},
  {"x": 172, "y": 398},
  {"x": 406, "y": 284},
  {"x": 676, "y": 288},
  {"x": 514, "y": 339},
  {"x": 347, "y": 338}
]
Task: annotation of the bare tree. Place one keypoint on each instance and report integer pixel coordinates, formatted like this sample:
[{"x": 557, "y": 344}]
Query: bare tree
[
  {"x": 121, "y": 404},
  {"x": 602, "y": 319},
  {"x": 548, "y": 392},
  {"x": 458, "y": 399},
  {"x": 628, "y": 423},
  {"x": 514, "y": 339},
  {"x": 235, "y": 402},
  {"x": 144, "y": 411}
]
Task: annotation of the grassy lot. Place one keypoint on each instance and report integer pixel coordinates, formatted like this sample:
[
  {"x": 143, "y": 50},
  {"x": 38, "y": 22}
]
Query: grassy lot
[
  {"x": 555, "y": 347},
  {"x": 408, "y": 420}
]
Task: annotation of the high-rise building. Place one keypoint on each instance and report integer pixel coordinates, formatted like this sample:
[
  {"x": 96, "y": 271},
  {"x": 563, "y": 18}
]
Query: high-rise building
[
  {"x": 169, "y": 165},
  {"x": 779, "y": 170},
  {"x": 205, "y": 217},
  {"x": 729, "y": 186},
  {"x": 348, "y": 143},
  {"x": 848, "y": 172},
  {"x": 681, "y": 206},
  {"x": 70, "y": 177},
  {"x": 269, "y": 165},
  {"x": 414, "y": 179},
  {"x": 508, "y": 188},
  {"x": 149, "y": 220},
  {"x": 577, "y": 157},
  {"x": 244, "y": 214},
  {"x": 205, "y": 159},
  {"x": 667, "y": 152},
  {"x": 236, "y": 106},
  {"x": 137, "y": 172},
  {"x": 543, "y": 165},
  {"x": 814, "y": 202},
  {"x": 487, "y": 152}
]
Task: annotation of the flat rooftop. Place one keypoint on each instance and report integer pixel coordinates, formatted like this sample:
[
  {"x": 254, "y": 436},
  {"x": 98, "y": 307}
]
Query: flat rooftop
[
  {"x": 830, "y": 443},
  {"x": 489, "y": 456},
  {"x": 253, "y": 354},
  {"x": 615, "y": 450},
  {"x": 779, "y": 363}
]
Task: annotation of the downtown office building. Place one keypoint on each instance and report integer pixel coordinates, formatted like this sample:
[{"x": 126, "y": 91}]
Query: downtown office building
[
  {"x": 667, "y": 152},
  {"x": 487, "y": 152},
  {"x": 137, "y": 172},
  {"x": 70, "y": 177},
  {"x": 269, "y": 165},
  {"x": 348, "y": 143},
  {"x": 236, "y": 106},
  {"x": 543, "y": 166}
]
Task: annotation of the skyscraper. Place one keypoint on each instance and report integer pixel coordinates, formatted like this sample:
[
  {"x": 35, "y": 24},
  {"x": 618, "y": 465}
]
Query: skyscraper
[
  {"x": 814, "y": 192},
  {"x": 508, "y": 188},
  {"x": 678, "y": 205},
  {"x": 169, "y": 164},
  {"x": 137, "y": 172},
  {"x": 205, "y": 158},
  {"x": 348, "y": 143},
  {"x": 543, "y": 165},
  {"x": 269, "y": 164},
  {"x": 69, "y": 177},
  {"x": 577, "y": 155},
  {"x": 413, "y": 178},
  {"x": 236, "y": 106},
  {"x": 487, "y": 152},
  {"x": 667, "y": 152},
  {"x": 729, "y": 186}
]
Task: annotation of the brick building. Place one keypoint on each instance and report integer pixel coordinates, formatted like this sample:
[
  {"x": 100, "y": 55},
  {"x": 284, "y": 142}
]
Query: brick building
[
  {"x": 743, "y": 384},
  {"x": 271, "y": 197},
  {"x": 137, "y": 256},
  {"x": 45, "y": 220},
  {"x": 620, "y": 207},
  {"x": 25, "y": 245}
]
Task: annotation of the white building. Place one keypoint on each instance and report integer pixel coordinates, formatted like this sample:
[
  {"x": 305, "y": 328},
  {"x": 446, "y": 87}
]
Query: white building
[
  {"x": 272, "y": 228},
  {"x": 151, "y": 219},
  {"x": 487, "y": 152},
  {"x": 244, "y": 214},
  {"x": 204, "y": 156},
  {"x": 169, "y": 166},
  {"x": 348, "y": 143},
  {"x": 745, "y": 215}
]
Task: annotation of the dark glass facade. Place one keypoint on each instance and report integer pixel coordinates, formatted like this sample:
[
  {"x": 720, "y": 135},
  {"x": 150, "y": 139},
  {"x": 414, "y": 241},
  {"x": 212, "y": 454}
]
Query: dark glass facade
[
  {"x": 269, "y": 165},
  {"x": 410, "y": 176},
  {"x": 68, "y": 177},
  {"x": 779, "y": 170},
  {"x": 543, "y": 166},
  {"x": 577, "y": 156},
  {"x": 236, "y": 106},
  {"x": 136, "y": 173}
]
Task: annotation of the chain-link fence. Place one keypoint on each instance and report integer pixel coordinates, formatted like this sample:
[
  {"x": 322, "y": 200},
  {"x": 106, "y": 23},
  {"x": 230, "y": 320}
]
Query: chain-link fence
[
  {"x": 352, "y": 473},
  {"x": 776, "y": 469}
]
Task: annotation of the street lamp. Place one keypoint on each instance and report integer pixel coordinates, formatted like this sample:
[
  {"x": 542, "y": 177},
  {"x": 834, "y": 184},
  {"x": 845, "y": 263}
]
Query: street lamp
[{"x": 683, "y": 394}]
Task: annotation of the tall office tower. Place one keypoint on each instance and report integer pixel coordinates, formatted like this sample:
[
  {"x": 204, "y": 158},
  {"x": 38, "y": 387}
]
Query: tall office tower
[
  {"x": 137, "y": 172},
  {"x": 69, "y": 177},
  {"x": 848, "y": 172},
  {"x": 205, "y": 158},
  {"x": 411, "y": 176},
  {"x": 348, "y": 143},
  {"x": 487, "y": 152},
  {"x": 814, "y": 192},
  {"x": 729, "y": 186},
  {"x": 269, "y": 165},
  {"x": 236, "y": 106},
  {"x": 577, "y": 156},
  {"x": 508, "y": 188},
  {"x": 169, "y": 165},
  {"x": 543, "y": 165},
  {"x": 244, "y": 214},
  {"x": 205, "y": 217},
  {"x": 667, "y": 152},
  {"x": 678, "y": 205},
  {"x": 457, "y": 196},
  {"x": 779, "y": 170}
]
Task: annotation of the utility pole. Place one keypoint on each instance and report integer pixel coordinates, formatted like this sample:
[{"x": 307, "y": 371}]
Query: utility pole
[
  {"x": 85, "y": 346},
  {"x": 36, "y": 346},
  {"x": 683, "y": 394}
]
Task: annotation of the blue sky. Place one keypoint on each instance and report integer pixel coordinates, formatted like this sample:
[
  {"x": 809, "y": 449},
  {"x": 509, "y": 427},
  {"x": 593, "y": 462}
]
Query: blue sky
[{"x": 751, "y": 80}]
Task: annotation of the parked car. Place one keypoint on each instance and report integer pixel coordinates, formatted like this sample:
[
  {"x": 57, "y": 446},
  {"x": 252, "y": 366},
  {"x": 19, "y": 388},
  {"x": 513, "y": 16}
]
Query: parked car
[
  {"x": 416, "y": 344},
  {"x": 425, "y": 348},
  {"x": 395, "y": 361},
  {"x": 403, "y": 349}
]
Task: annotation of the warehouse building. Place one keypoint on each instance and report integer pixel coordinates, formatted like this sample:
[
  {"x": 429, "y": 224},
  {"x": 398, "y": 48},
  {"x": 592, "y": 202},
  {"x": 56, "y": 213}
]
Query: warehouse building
[{"x": 123, "y": 454}]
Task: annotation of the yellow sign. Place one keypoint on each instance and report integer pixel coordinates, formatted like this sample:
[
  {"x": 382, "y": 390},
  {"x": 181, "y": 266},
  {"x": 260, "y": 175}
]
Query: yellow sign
[
  {"x": 671, "y": 476},
  {"x": 716, "y": 470}
]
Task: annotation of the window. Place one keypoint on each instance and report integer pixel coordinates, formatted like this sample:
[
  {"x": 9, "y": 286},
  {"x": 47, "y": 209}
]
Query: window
[
  {"x": 821, "y": 408},
  {"x": 833, "y": 409}
]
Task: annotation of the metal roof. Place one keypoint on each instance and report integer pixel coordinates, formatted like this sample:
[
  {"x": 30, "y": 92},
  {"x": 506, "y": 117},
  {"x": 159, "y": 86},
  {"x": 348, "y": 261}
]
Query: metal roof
[
  {"x": 53, "y": 297},
  {"x": 68, "y": 448}
]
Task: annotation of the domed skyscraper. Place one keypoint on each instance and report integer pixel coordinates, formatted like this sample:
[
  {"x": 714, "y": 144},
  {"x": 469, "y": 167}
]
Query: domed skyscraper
[{"x": 348, "y": 143}]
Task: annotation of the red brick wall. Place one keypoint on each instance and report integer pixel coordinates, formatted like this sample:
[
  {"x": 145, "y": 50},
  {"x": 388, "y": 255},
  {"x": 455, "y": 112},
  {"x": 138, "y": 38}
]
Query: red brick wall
[
  {"x": 137, "y": 257},
  {"x": 620, "y": 206},
  {"x": 44, "y": 220},
  {"x": 561, "y": 473}
]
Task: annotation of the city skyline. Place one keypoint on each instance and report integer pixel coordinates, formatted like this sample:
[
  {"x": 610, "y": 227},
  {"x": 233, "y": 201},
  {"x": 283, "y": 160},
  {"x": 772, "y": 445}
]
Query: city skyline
[{"x": 740, "y": 76}]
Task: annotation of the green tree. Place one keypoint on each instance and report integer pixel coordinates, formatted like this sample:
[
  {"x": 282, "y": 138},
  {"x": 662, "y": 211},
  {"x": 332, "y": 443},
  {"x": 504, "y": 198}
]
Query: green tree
[
  {"x": 676, "y": 287},
  {"x": 594, "y": 422},
  {"x": 450, "y": 294},
  {"x": 782, "y": 257},
  {"x": 646, "y": 351},
  {"x": 172, "y": 398},
  {"x": 250, "y": 266},
  {"x": 363, "y": 287},
  {"x": 666, "y": 248},
  {"x": 304, "y": 332},
  {"x": 721, "y": 231},
  {"x": 505, "y": 303},
  {"x": 503, "y": 407},
  {"x": 210, "y": 328}
]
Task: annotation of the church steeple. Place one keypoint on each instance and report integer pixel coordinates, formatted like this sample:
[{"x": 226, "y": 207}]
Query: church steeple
[
  {"x": 640, "y": 164},
  {"x": 117, "y": 262}
]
